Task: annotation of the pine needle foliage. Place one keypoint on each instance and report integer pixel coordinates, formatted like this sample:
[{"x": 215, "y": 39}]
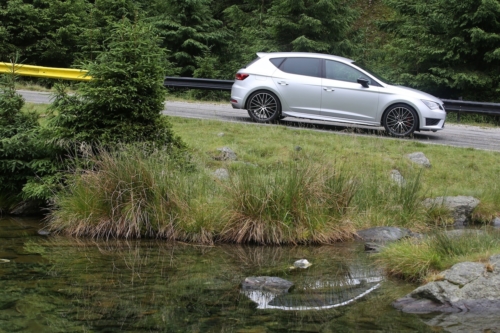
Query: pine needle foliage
[
  {"x": 123, "y": 101},
  {"x": 25, "y": 159}
]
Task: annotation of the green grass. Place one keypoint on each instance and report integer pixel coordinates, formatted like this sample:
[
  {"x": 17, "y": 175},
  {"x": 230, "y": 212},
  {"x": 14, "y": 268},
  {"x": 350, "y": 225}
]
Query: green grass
[
  {"x": 454, "y": 171},
  {"x": 421, "y": 260},
  {"x": 276, "y": 193}
]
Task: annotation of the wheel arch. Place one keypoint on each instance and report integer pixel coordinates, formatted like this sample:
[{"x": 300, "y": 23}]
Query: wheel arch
[
  {"x": 404, "y": 103},
  {"x": 262, "y": 89}
]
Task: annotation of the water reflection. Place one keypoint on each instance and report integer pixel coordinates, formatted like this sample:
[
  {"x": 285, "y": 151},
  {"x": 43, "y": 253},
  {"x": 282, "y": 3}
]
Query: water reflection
[{"x": 57, "y": 284}]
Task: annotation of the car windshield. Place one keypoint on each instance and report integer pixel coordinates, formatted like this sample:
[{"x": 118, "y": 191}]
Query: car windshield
[{"x": 379, "y": 77}]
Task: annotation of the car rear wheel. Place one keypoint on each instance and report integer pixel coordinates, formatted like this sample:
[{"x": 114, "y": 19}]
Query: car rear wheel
[
  {"x": 264, "y": 107},
  {"x": 400, "y": 120}
]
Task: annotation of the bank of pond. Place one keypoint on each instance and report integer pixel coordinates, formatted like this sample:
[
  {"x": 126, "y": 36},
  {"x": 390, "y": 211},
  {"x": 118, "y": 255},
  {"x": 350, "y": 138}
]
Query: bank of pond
[{"x": 56, "y": 283}]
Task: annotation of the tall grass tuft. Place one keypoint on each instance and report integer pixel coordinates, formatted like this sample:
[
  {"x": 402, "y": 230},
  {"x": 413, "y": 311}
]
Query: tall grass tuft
[
  {"x": 415, "y": 260},
  {"x": 292, "y": 203},
  {"x": 382, "y": 202},
  {"x": 131, "y": 193}
]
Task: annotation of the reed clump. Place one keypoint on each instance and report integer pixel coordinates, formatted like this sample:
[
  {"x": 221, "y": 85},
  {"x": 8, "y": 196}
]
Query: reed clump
[
  {"x": 133, "y": 192},
  {"x": 297, "y": 202}
]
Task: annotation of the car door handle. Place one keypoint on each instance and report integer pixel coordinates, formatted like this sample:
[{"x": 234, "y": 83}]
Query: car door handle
[
  {"x": 282, "y": 83},
  {"x": 328, "y": 89}
]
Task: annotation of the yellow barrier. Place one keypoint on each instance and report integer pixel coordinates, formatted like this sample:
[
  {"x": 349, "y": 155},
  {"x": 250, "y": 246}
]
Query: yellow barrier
[{"x": 47, "y": 72}]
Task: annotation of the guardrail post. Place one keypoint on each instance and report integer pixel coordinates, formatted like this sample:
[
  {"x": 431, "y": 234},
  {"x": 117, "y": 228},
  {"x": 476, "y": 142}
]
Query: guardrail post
[{"x": 458, "y": 113}]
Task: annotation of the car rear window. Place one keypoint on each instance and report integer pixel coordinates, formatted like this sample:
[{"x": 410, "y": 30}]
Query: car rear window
[{"x": 302, "y": 66}]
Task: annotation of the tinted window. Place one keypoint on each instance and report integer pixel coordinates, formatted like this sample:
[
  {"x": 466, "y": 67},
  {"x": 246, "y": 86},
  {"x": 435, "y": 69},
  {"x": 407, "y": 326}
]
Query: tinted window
[
  {"x": 276, "y": 61},
  {"x": 338, "y": 71},
  {"x": 302, "y": 66}
]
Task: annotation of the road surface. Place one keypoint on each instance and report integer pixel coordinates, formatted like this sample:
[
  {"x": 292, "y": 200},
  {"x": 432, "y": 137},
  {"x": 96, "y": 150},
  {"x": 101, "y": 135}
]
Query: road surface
[{"x": 453, "y": 134}]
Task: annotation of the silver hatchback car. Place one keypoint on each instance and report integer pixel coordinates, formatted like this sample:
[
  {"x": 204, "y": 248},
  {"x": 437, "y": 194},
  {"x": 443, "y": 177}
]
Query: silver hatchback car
[{"x": 332, "y": 88}]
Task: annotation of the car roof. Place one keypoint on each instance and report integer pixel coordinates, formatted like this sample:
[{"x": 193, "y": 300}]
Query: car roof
[{"x": 302, "y": 54}]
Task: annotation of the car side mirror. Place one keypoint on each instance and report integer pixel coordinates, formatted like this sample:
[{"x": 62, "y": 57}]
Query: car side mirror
[{"x": 363, "y": 82}]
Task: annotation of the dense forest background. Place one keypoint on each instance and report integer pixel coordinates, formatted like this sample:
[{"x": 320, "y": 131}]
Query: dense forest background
[{"x": 450, "y": 48}]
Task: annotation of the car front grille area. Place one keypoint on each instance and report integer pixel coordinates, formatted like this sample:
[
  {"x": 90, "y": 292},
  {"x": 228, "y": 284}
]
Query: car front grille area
[{"x": 431, "y": 121}]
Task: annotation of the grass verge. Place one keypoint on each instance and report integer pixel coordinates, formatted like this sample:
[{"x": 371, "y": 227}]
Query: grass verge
[
  {"x": 287, "y": 186},
  {"x": 422, "y": 259}
]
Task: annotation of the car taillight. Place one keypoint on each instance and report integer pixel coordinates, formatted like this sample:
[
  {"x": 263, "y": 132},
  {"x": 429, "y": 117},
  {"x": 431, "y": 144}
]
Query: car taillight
[{"x": 241, "y": 76}]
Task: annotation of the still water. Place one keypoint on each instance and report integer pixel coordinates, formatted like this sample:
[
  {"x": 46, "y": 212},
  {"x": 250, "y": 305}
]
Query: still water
[{"x": 59, "y": 284}]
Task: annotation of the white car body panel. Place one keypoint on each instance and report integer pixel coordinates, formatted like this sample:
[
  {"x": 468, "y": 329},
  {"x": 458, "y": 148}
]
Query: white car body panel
[{"x": 322, "y": 98}]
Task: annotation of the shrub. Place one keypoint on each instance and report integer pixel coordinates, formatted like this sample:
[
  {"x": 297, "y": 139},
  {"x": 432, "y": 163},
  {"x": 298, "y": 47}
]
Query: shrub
[
  {"x": 123, "y": 101},
  {"x": 26, "y": 162}
]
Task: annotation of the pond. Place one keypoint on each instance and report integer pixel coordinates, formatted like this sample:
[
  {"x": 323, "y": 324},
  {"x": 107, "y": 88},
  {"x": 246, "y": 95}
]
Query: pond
[{"x": 59, "y": 284}]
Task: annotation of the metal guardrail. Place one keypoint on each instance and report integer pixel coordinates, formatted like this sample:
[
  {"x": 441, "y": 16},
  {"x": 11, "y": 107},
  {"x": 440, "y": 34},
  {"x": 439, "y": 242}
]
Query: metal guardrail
[
  {"x": 450, "y": 105},
  {"x": 197, "y": 83},
  {"x": 459, "y": 106},
  {"x": 47, "y": 72}
]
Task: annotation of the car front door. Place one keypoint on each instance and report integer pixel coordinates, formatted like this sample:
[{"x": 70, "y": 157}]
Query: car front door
[
  {"x": 298, "y": 81},
  {"x": 342, "y": 97}
]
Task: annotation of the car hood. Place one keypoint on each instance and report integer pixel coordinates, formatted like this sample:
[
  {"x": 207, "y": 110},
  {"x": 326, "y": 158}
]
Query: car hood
[{"x": 415, "y": 93}]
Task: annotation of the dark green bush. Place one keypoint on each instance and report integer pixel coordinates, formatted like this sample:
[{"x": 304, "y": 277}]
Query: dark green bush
[{"x": 123, "y": 101}]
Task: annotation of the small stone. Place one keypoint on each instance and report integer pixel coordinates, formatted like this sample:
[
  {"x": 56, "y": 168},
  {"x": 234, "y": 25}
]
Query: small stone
[
  {"x": 227, "y": 154},
  {"x": 419, "y": 158},
  {"x": 298, "y": 148},
  {"x": 222, "y": 174},
  {"x": 397, "y": 177},
  {"x": 461, "y": 207},
  {"x": 221, "y": 134},
  {"x": 383, "y": 234},
  {"x": 42, "y": 232},
  {"x": 302, "y": 263},
  {"x": 496, "y": 222},
  {"x": 4, "y": 261}
]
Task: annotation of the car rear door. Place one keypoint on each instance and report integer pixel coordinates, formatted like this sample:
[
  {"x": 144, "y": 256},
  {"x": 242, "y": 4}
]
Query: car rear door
[
  {"x": 342, "y": 97},
  {"x": 298, "y": 82}
]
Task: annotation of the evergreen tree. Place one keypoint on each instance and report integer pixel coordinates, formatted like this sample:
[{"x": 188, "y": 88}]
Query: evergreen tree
[
  {"x": 123, "y": 101},
  {"x": 312, "y": 26},
  {"x": 26, "y": 162},
  {"x": 43, "y": 32},
  {"x": 188, "y": 30},
  {"x": 450, "y": 48}
]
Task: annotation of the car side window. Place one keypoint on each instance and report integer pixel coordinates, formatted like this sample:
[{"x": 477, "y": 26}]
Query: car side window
[
  {"x": 276, "y": 61},
  {"x": 338, "y": 71},
  {"x": 302, "y": 66}
]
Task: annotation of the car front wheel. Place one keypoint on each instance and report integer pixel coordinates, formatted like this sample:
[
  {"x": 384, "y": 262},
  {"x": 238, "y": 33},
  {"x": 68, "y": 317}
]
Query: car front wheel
[
  {"x": 264, "y": 107},
  {"x": 400, "y": 120}
]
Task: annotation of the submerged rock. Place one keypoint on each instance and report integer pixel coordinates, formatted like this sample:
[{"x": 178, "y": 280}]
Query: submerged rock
[
  {"x": 466, "y": 287},
  {"x": 266, "y": 283}
]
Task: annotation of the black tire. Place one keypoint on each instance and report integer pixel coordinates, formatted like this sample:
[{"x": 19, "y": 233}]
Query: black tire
[
  {"x": 264, "y": 107},
  {"x": 400, "y": 120}
]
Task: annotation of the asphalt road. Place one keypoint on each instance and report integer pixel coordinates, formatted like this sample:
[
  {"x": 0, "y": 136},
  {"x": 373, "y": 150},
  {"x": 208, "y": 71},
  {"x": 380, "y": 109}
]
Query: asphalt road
[{"x": 452, "y": 135}]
